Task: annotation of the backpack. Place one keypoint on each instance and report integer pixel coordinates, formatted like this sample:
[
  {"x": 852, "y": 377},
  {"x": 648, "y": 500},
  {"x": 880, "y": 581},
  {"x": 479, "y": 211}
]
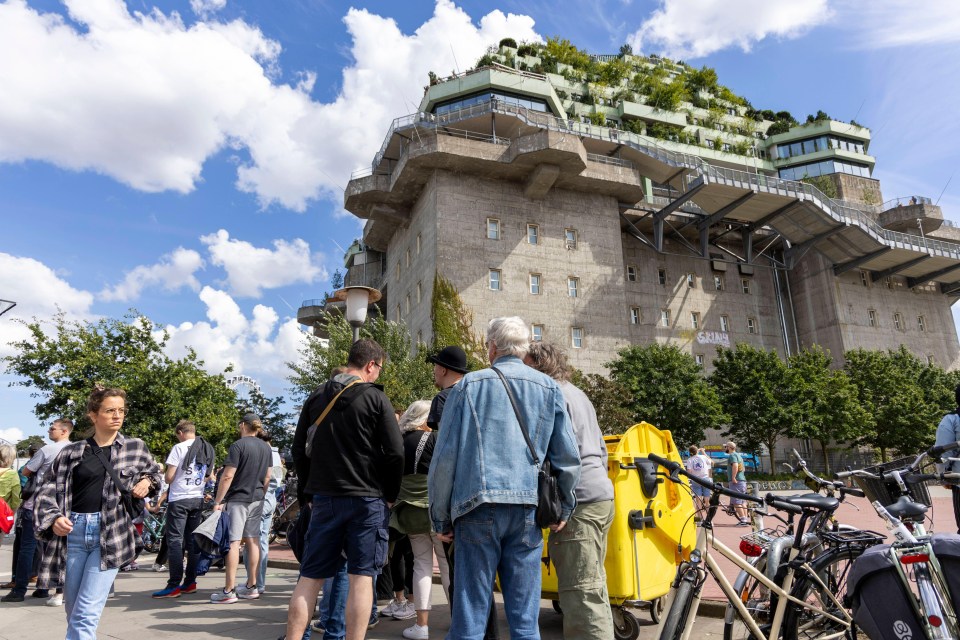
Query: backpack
[{"x": 6, "y": 516}]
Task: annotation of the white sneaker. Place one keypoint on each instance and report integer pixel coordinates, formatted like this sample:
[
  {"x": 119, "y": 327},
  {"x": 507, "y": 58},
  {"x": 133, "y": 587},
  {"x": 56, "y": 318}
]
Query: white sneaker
[
  {"x": 157, "y": 568},
  {"x": 247, "y": 593},
  {"x": 391, "y": 608},
  {"x": 416, "y": 632},
  {"x": 405, "y": 611},
  {"x": 55, "y": 600}
]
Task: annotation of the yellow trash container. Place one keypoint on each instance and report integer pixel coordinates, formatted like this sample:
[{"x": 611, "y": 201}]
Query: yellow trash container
[{"x": 652, "y": 518}]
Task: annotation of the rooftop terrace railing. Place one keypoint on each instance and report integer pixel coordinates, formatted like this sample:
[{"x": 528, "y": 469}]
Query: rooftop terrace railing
[
  {"x": 620, "y": 162},
  {"x": 840, "y": 212},
  {"x": 906, "y": 201}
]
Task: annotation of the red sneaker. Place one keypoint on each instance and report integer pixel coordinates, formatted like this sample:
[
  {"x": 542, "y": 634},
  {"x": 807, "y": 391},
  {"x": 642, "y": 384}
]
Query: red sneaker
[{"x": 189, "y": 588}]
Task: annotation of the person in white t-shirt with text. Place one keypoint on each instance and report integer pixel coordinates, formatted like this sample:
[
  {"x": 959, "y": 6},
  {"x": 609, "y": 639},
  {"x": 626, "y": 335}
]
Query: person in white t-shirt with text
[
  {"x": 189, "y": 465},
  {"x": 698, "y": 465}
]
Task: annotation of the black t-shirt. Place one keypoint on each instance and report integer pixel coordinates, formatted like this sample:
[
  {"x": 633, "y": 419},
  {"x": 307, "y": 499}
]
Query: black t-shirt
[
  {"x": 88, "y": 479},
  {"x": 436, "y": 408},
  {"x": 251, "y": 457},
  {"x": 411, "y": 443}
]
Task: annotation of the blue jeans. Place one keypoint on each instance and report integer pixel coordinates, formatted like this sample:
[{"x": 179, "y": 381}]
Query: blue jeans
[
  {"x": 266, "y": 521},
  {"x": 28, "y": 547},
  {"x": 86, "y": 587},
  {"x": 183, "y": 516},
  {"x": 491, "y": 539},
  {"x": 333, "y": 605}
]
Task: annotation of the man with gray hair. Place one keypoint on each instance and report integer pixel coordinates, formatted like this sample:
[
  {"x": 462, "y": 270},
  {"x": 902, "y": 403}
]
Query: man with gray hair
[{"x": 483, "y": 482}]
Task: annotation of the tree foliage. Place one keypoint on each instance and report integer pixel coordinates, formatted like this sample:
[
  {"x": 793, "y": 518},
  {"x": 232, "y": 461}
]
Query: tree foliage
[
  {"x": 754, "y": 389},
  {"x": 276, "y": 421},
  {"x": 405, "y": 378},
  {"x": 24, "y": 445},
  {"x": 61, "y": 363},
  {"x": 610, "y": 399},
  {"x": 453, "y": 323},
  {"x": 666, "y": 388}
]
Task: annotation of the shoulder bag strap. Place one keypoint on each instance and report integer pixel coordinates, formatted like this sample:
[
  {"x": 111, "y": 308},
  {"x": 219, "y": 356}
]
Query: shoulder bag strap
[
  {"x": 516, "y": 410},
  {"x": 323, "y": 415},
  {"x": 109, "y": 467},
  {"x": 420, "y": 447}
]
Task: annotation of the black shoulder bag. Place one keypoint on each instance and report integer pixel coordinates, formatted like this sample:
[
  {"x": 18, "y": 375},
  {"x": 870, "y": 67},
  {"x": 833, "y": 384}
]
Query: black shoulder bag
[
  {"x": 133, "y": 506},
  {"x": 548, "y": 490}
]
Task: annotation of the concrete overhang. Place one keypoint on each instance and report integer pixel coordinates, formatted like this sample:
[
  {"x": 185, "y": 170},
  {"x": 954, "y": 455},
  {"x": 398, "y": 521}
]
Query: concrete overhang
[
  {"x": 823, "y": 127},
  {"x": 498, "y": 77}
]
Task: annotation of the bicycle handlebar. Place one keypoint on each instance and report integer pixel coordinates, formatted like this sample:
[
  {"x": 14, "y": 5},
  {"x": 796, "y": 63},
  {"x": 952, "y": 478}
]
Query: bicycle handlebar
[{"x": 937, "y": 451}]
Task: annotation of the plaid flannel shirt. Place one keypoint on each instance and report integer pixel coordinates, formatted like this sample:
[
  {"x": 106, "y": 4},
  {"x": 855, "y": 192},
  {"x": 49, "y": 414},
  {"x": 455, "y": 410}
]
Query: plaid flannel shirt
[{"x": 118, "y": 539}]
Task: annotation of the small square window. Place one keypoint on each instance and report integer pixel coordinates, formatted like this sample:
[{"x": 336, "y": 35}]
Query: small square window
[
  {"x": 695, "y": 320},
  {"x": 495, "y": 279},
  {"x": 751, "y": 325},
  {"x": 570, "y": 236},
  {"x": 535, "y": 284},
  {"x": 419, "y": 293},
  {"x": 872, "y": 317},
  {"x": 536, "y": 332},
  {"x": 664, "y": 317},
  {"x": 725, "y": 324},
  {"x": 573, "y": 287},
  {"x": 419, "y": 242},
  {"x": 745, "y": 285},
  {"x": 634, "y": 315},
  {"x": 718, "y": 283},
  {"x": 662, "y": 276},
  {"x": 898, "y": 321},
  {"x": 533, "y": 234},
  {"x": 576, "y": 337},
  {"x": 493, "y": 229},
  {"x": 406, "y": 306},
  {"x": 406, "y": 259},
  {"x": 921, "y": 323},
  {"x": 632, "y": 274},
  {"x": 699, "y": 359},
  {"x": 889, "y": 282},
  {"x": 691, "y": 281},
  {"x": 864, "y": 278}
]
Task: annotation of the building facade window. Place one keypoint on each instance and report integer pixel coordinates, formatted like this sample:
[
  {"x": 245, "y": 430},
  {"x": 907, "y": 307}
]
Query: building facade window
[
  {"x": 631, "y": 274},
  {"x": 576, "y": 337},
  {"x": 419, "y": 293},
  {"x": 493, "y": 228},
  {"x": 751, "y": 325},
  {"x": 745, "y": 285},
  {"x": 536, "y": 332},
  {"x": 634, "y": 315},
  {"x": 699, "y": 358},
  {"x": 419, "y": 242},
  {"x": 725, "y": 324},
  {"x": 662, "y": 277},
  {"x": 573, "y": 287},
  {"x": 535, "y": 284},
  {"x": 495, "y": 280},
  {"x": 898, "y": 321},
  {"x": 398, "y": 268},
  {"x": 664, "y": 317},
  {"x": 691, "y": 281},
  {"x": 921, "y": 323},
  {"x": 399, "y": 316},
  {"x": 570, "y": 237},
  {"x": 406, "y": 259},
  {"x": 864, "y": 278},
  {"x": 419, "y": 338},
  {"x": 872, "y": 317},
  {"x": 695, "y": 320},
  {"x": 406, "y": 305},
  {"x": 533, "y": 234},
  {"x": 718, "y": 283}
]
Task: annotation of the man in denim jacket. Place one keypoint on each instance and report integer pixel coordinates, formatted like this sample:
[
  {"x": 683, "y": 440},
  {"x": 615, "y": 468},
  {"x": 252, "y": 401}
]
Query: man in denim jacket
[{"x": 483, "y": 483}]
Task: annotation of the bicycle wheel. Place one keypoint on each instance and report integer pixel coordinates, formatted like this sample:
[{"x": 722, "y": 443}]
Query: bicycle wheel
[
  {"x": 676, "y": 620},
  {"x": 803, "y": 623},
  {"x": 756, "y": 597}
]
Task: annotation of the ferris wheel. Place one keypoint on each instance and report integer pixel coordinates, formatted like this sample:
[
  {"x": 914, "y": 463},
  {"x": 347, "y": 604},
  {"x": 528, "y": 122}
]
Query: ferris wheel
[{"x": 234, "y": 382}]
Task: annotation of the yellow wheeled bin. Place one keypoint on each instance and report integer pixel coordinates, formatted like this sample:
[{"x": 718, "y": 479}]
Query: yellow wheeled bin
[{"x": 652, "y": 527}]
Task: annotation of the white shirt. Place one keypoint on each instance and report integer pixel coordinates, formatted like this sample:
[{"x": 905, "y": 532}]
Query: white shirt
[
  {"x": 187, "y": 482},
  {"x": 698, "y": 466}
]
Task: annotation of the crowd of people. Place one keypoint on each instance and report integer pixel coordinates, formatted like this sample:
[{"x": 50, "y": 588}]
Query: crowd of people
[{"x": 452, "y": 479}]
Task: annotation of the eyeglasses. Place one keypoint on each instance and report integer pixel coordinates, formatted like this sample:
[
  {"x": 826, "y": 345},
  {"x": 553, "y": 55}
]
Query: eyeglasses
[
  {"x": 114, "y": 412},
  {"x": 377, "y": 364}
]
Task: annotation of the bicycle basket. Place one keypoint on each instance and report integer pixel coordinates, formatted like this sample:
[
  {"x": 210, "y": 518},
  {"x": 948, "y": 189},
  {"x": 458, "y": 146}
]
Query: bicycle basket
[{"x": 887, "y": 491}]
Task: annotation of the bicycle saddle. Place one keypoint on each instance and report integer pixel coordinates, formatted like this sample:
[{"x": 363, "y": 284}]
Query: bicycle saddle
[
  {"x": 905, "y": 508},
  {"x": 813, "y": 501}
]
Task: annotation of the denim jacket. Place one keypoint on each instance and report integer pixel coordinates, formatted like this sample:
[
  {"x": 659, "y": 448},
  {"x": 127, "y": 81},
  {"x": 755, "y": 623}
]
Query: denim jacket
[{"x": 481, "y": 456}]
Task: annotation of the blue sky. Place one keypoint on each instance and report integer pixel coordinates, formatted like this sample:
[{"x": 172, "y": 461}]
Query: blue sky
[{"x": 187, "y": 158}]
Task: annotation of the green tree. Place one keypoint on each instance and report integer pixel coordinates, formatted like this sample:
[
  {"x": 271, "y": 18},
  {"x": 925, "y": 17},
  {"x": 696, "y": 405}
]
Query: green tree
[
  {"x": 405, "y": 377},
  {"x": 754, "y": 390},
  {"x": 609, "y": 398},
  {"x": 453, "y": 323},
  {"x": 276, "y": 421},
  {"x": 61, "y": 367},
  {"x": 666, "y": 388},
  {"x": 825, "y": 401},
  {"x": 24, "y": 445},
  {"x": 702, "y": 79}
]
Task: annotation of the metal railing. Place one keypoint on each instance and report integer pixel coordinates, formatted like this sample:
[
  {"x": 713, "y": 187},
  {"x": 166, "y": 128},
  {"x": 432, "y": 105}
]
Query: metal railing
[
  {"x": 840, "y": 212},
  {"x": 906, "y": 201},
  {"x": 620, "y": 162},
  {"x": 314, "y": 302}
]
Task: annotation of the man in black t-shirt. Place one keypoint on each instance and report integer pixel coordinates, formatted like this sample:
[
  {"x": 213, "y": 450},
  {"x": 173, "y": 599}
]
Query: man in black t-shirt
[
  {"x": 449, "y": 367},
  {"x": 243, "y": 483}
]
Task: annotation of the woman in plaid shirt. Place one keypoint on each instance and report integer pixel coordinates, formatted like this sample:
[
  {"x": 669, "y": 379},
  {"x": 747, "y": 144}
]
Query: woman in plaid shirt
[{"x": 79, "y": 512}]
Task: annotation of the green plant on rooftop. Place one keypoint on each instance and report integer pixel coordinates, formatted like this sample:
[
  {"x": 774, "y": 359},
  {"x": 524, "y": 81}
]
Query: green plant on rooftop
[
  {"x": 626, "y": 50},
  {"x": 664, "y": 131},
  {"x": 433, "y": 78},
  {"x": 527, "y": 49},
  {"x": 485, "y": 61},
  {"x": 702, "y": 79},
  {"x": 508, "y": 42},
  {"x": 562, "y": 51},
  {"x": 824, "y": 183},
  {"x": 634, "y": 126},
  {"x": 598, "y": 118},
  {"x": 820, "y": 117},
  {"x": 614, "y": 72},
  {"x": 724, "y": 93},
  {"x": 856, "y": 124}
]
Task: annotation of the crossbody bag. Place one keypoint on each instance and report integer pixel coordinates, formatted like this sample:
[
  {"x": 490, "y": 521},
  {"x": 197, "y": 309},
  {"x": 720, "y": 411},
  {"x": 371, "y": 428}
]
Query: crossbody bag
[
  {"x": 312, "y": 429},
  {"x": 133, "y": 506}
]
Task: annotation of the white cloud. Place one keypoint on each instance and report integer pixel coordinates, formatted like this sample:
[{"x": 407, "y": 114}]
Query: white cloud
[
  {"x": 146, "y": 99},
  {"x": 258, "y": 346},
  {"x": 173, "y": 271},
  {"x": 38, "y": 292},
  {"x": 13, "y": 435},
  {"x": 696, "y": 28},
  {"x": 251, "y": 269},
  {"x": 207, "y": 7},
  {"x": 897, "y": 23}
]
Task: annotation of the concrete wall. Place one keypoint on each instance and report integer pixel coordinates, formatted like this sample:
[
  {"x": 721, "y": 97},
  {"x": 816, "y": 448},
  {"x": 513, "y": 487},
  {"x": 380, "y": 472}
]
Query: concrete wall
[{"x": 857, "y": 188}]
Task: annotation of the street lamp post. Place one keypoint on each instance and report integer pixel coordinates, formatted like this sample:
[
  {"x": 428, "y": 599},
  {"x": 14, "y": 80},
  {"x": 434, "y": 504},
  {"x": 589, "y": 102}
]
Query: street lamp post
[{"x": 357, "y": 300}]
